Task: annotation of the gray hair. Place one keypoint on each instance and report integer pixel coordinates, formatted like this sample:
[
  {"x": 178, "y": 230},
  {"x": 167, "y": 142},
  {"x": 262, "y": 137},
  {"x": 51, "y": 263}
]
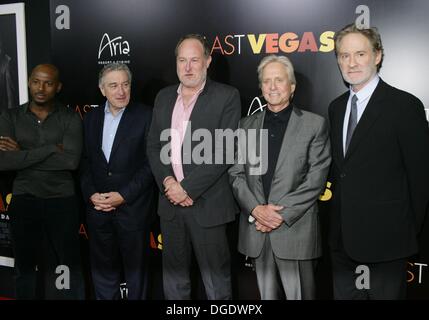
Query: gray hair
[
  {"x": 280, "y": 59},
  {"x": 115, "y": 66}
]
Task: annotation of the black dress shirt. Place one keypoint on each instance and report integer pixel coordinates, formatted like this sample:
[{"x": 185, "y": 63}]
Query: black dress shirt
[
  {"x": 276, "y": 124},
  {"x": 41, "y": 168}
]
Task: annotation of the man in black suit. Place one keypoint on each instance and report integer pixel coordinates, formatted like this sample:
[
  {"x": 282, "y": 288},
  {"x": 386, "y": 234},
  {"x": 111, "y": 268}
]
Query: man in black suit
[
  {"x": 117, "y": 185},
  {"x": 197, "y": 202},
  {"x": 380, "y": 174}
]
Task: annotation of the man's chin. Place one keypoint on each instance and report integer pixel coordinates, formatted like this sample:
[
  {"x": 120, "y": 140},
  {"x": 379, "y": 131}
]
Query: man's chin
[
  {"x": 121, "y": 104},
  {"x": 40, "y": 103}
]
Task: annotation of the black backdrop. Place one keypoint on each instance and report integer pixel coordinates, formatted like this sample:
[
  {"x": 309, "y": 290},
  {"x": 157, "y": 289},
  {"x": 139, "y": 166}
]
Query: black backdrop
[{"x": 144, "y": 33}]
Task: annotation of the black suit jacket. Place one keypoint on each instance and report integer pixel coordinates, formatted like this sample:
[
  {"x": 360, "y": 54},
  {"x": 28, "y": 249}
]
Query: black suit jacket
[
  {"x": 128, "y": 171},
  {"x": 217, "y": 107},
  {"x": 380, "y": 187}
]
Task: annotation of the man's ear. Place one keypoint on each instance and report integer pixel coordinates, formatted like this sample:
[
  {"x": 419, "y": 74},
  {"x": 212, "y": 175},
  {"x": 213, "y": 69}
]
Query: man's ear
[
  {"x": 208, "y": 61},
  {"x": 377, "y": 57},
  {"x": 102, "y": 90}
]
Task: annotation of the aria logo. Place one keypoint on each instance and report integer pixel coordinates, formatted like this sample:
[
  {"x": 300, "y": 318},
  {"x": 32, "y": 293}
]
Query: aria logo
[{"x": 113, "y": 48}]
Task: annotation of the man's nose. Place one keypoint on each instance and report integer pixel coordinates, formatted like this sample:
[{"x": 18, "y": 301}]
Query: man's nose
[
  {"x": 188, "y": 66},
  {"x": 352, "y": 61}
]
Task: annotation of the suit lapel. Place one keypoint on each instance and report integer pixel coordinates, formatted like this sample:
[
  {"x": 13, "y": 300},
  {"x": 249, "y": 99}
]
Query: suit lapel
[
  {"x": 371, "y": 113},
  {"x": 337, "y": 128},
  {"x": 258, "y": 123},
  {"x": 289, "y": 138},
  {"x": 200, "y": 104},
  {"x": 197, "y": 113},
  {"x": 171, "y": 102},
  {"x": 98, "y": 127},
  {"x": 122, "y": 131}
]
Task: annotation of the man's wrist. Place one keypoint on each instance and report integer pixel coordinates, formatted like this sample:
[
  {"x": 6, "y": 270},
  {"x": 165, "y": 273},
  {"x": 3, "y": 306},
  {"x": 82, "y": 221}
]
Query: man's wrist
[
  {"x": 254, "y": 209},
  {"x": 166, "y": 179}
]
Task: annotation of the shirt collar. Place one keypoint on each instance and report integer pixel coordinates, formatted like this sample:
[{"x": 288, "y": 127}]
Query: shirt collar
[
  {"x": 179, "y": 89},
  {"x": 26, "y": 108},
  {"x": 282, "y": 115},
  {"x": 366, "y": 91},
  {"x": 107, "y": 110}
]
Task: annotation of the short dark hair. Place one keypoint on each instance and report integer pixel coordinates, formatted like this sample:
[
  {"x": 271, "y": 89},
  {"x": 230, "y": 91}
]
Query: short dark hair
[
  {"x": 371, "y": 34},
  {"x": 53, "y": 68},
  {"x": 202, "y": 39}
]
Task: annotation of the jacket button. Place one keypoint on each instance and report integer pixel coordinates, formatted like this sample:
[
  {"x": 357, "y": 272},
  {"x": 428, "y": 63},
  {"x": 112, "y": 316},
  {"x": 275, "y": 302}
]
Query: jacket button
[
  {"x": 109, "y": 173},
  {"x": 342, "y": 175}
]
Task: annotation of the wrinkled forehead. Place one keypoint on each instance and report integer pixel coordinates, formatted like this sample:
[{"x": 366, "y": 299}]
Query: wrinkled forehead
[
  {"x": 190, "y": 47},
  {"x": 274, "y": 69},
  {"x": 354, "y": 42},
  {"x": 115, "y": 76}
]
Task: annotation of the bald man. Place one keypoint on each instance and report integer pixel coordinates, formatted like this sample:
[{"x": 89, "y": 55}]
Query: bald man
[{"x": 42, "y": 141}]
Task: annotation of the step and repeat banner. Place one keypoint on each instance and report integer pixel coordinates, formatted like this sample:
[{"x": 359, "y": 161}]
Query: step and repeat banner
[{"x": 143, "y": 34}]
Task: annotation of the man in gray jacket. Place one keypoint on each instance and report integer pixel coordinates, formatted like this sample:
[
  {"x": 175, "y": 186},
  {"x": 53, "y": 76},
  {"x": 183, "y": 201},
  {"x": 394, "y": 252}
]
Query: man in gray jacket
[{"x": 279, "y": 224}]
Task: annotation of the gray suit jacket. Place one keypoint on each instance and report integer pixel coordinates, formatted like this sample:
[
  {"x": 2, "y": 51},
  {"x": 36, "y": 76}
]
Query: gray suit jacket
[
  {"x": 217, "y": 107},
  {"x": 299, "y": 178}
]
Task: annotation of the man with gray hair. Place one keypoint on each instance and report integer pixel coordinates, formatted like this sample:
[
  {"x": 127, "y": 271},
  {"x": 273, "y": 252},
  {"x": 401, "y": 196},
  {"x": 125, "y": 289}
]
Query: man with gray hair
[
  {"x": 279, "y": 223},
  {"x": 117, "y": 186},
  {"x": 380, "y": 155}
]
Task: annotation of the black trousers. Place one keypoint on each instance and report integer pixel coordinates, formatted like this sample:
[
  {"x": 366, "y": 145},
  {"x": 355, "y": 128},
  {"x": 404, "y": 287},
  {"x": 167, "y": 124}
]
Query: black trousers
[
  {"x": 45, "y": 236},
  {"x": 117, "y": 254},
  {"x": 387, "y": 280},
  {"x": 181, "y": 236}
]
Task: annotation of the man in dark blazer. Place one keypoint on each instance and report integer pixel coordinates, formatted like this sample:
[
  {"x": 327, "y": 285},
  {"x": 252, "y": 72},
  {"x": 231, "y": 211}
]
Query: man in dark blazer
[
  {"x": 197, "y": 201},
  {"x": 380, "y": 174},
  {"x": 117, "y": 185}
]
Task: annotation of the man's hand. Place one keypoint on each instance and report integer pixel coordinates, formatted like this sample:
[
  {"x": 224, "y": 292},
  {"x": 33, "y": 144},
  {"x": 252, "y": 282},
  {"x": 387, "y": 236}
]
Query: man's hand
[
  {"x": 267, "y": 217},
  {"x": 168, "y": 180},
  {"x": 8, "y": 144},
  {"x": 97, "y": 199},
  {"x": 261, "y": 227},
  {"x": 175, "y": 193},
  {"x": 107, "y": 201},
  {"x": 187, "y": 202}
]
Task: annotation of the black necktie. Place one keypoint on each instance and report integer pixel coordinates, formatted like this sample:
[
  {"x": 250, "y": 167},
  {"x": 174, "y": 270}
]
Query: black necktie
[{"x": 352, "y": 121}]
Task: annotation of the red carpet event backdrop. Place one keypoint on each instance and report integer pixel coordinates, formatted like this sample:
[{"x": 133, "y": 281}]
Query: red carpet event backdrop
[{"x": 86, "y": 35}]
